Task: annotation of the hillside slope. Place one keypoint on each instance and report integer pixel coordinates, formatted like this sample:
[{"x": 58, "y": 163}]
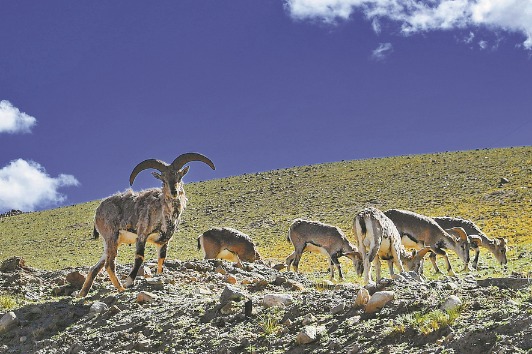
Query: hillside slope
[{"x": 263, "y": 204}]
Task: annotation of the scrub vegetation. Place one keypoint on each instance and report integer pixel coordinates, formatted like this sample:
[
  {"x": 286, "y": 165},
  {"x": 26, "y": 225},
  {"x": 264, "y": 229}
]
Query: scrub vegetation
[{"x": 468, "y": 184}]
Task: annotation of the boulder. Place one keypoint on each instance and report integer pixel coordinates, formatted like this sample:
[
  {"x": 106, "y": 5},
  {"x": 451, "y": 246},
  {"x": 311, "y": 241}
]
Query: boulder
[
  {"x": 362, "y": 297},
  {"x": 378, "y": 301},
  {"x": 76, "y": 279},
  {"x": 230, "y": 293},
  {"x": 309, "y": 334},
  {"x": 309, "y": 319},
  {"x": 452, "y": 303},
  {"x": 8, "y": 322},
  {"x": 146, "y": 297},
  {"x": 271, "y": 300},
  {"x": 97, "y": 308}
]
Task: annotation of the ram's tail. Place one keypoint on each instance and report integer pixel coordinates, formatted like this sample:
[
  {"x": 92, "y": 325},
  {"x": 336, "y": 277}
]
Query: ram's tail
[{"x": 95, "y": 233}]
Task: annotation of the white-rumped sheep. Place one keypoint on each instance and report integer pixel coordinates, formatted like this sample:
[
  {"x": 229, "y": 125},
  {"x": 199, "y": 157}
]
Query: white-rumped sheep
[
  {"x": 417, "y": 231},
  {"x": 498, "y": 246},
  {"x": 150, "y": 215},
  {"x": 314, "y": 236},
  {"x": 378, "y": 239},
  {"x": 227, "y": 243}
]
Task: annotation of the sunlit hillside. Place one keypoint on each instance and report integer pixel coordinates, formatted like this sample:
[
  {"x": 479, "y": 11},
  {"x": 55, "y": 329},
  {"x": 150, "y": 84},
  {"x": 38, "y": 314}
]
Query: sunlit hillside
[{"x": 466, "y": 184}]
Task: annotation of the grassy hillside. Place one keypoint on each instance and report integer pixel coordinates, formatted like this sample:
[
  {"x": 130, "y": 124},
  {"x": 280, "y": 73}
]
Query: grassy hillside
[{"x": 262, "y": 205}]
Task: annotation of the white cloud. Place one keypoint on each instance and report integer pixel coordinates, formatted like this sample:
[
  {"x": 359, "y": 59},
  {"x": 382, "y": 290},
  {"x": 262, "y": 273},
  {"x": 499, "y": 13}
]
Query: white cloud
[
  {"x": 382, "y": 51},
  {"x": 415, "y": 16},
  {"x": 14, "y": 121},
  {"x": 25, "y": 185}
]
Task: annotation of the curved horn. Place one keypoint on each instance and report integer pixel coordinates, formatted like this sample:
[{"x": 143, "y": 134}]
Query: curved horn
[
  {"x": 476, "y": 239},
  {"x": 423, "y": 252},
  {"x": 151, "y": 163},
  {"x": 181, "y": 160},
  {"x": 461, "y": 233}
]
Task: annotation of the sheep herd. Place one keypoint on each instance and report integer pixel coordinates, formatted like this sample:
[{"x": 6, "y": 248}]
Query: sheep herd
[{"x": 153, "y": 215}]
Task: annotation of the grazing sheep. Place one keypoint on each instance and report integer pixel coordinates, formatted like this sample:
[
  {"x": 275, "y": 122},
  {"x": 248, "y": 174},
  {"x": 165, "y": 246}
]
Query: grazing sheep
[
  {"x": 150, "y": 215},
  {"x": 314, "y": 236},
  {"x": 418, "y": 231},
  {"x": 498, "y": 246},
  {"x": 378, "y": 239},
  {"x": 227, "y": 243}
]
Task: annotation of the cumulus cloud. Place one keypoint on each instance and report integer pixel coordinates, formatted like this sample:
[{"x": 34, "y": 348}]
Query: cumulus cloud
[
  {"x": 415, "y": 16},
  {"x": 25, "y": 185},
  {"x": 382, "y": 51},
  {"x": 12, "y": 120}
]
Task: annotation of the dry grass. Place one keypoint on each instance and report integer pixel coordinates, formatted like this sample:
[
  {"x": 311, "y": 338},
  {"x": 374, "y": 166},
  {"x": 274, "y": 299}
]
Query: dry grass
[{"x": 263, "y": 205}]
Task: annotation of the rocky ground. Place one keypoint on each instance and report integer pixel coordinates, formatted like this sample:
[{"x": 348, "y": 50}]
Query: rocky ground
[{"x": 214, "y": 307}]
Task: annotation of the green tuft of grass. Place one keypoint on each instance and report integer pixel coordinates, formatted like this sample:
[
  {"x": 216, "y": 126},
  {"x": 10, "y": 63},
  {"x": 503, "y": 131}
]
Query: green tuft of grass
[
  {"x": 9, "y": 302},
  {"x": 426, "y": 323},
  {"x": 269, "y": 321}
]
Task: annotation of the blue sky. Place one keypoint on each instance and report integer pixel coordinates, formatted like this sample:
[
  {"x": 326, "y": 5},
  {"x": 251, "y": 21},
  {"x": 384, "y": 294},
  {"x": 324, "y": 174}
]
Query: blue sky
[{"x": 89, "y": 89}]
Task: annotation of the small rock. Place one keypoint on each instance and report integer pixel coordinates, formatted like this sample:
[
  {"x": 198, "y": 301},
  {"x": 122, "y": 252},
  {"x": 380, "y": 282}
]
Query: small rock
[
  {"x": 378, "y": 301},
  {"x": 413, "y": 276},
  {"x": 156, "y": 283},
  {"x": 453, "y": 302},
  {"x": 203, "y": 291},
  {"x": 8, "y": 322},
  {"x": 338, "y": 309},
  {"x": 231, "y": 293},
  {"x": 271, "y": 300},
  {"x": 12, "y": 264},
  {"x": 231, "y": 279},
  {"x": 309, "y": 334},
  {"x": 309, "y": 319},
  {"x": 145, "y": 272},
  {"x": 220, "y": 270},
  {"x": 229, "y": 308},
  {"x": 279, "y": 280},
  {"x": 398, "y": 277},
  {"x": 113, "y": 310},
  {"x": 450, "y": 286},
  {"x": 294, "y": 285},
  {"x": 97, "y": 307},
  {"x": 146, "y": 297},
  {"x": 76, "y": 279},
  {"x": 362, "y": 297},
  {"x": 279, "y": 266}
]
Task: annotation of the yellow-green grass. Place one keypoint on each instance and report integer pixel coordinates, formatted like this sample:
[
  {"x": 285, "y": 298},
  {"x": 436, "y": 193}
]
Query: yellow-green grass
[{"x": 263, "y": 205}]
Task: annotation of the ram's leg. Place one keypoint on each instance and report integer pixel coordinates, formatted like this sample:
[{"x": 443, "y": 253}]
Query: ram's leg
[
  {"x": 289, "y": 260},
  {"x": 367, "y": 270},
  {"x": 161, "y": 253},
  {"x": 336, "y": 263},
  {"x": 377, "y": 263},
  {"x": 139, "y": 259},
  {"x": 475, "y": 260},
  {"x": 433, "y": 260},
  {"x": 449, "y": 267},
  {"x": 397, "y": 260},
  {"x": 390, "y": 266},
  {"x": 93, "y": 272},
  {"x": 110, "y": 265},
  {"x": 297, "y": 257}
]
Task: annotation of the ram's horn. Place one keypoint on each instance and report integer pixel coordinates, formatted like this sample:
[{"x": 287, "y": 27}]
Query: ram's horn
[
  {"x": 183, "y": 159},
  {"x": 144, "y": 165}
]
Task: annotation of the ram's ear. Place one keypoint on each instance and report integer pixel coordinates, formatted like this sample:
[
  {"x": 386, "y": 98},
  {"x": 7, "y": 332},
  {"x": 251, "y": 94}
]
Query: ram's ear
[
  {"x": 502, "y": 241},
  {"x": 157, "y": 175},
  {"x": 184, "y": 171}
]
